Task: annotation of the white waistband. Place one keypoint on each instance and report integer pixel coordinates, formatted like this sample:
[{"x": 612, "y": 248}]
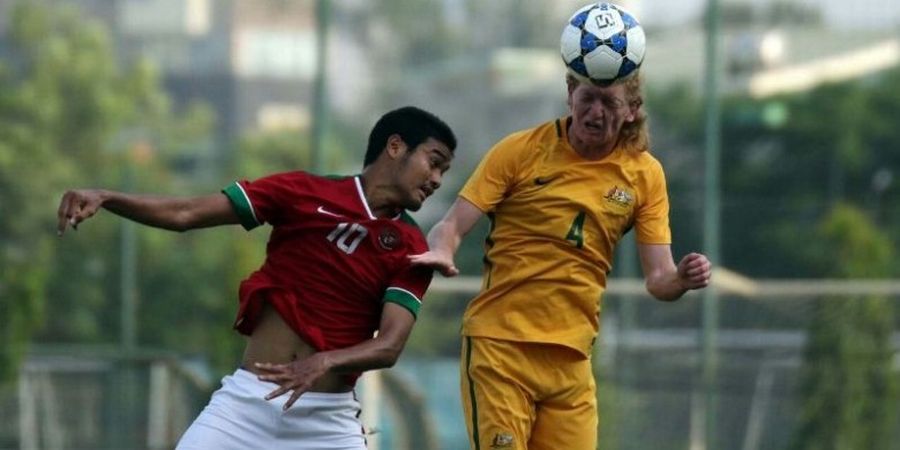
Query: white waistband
[{"x": 249, "y": 381}]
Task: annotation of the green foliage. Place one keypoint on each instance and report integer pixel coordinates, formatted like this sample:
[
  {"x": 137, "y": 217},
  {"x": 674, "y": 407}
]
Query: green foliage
[
  {"x": 55, "y": 109},
  {"x": 785, "y": 161},
  {"x": 848, "y": 386},
  {"x": 853, "y": 247},
  {"x": 264, "y": 154},
  {"x": 71, "y": 117},
  {"x": 799, "y": 200}
]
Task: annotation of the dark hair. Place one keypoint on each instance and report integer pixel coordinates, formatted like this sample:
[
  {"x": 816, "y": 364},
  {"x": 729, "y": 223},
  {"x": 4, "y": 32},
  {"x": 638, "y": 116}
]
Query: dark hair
[{"x": 413, "y": 125}]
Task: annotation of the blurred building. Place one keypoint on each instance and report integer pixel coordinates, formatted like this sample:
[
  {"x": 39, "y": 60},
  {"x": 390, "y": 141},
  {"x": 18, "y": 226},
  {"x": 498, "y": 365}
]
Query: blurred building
[
  {"x": 767, "y": 47},
  {"x": 252, "y": 61}
]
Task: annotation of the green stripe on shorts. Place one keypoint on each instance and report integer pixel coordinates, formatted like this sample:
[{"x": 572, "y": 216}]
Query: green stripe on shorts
[{"x": 475, "y": 436}]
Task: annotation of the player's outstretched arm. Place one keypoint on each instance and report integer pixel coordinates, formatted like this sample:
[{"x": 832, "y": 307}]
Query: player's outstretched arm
[
  {"x": 666, "y": 281},
  {"x": 379, "y": 352},
  {"x": 445, "y": 237},
  {"x": 170, "y": 213}
]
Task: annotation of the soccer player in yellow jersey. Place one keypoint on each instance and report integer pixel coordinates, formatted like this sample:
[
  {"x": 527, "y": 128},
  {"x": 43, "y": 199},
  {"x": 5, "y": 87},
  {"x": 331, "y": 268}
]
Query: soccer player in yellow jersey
[{"x": 559, "y": 197}]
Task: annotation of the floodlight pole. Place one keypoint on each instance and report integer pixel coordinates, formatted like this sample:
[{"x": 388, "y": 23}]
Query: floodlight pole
[
  {"x": 319, "y": 88},
  {"x": 711, "y": 221}
]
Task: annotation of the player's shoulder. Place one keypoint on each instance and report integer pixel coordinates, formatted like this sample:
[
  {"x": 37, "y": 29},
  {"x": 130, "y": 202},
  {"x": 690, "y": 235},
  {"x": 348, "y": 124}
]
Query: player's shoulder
[
  {"x": 411, "y": 228},
  {"x": 325, "y": 179},
  {"x": 290, "y": 176},
  {"x": 527, "y": 143},
  {"x": 334, "y": 177},
  {"x": 409, "y": 222},
  {"x": 314, "y": 181},
  {"x": 549, "y": 130},
  {"x": 301, "y": 182},
  {"x": 642, "y": 161}
]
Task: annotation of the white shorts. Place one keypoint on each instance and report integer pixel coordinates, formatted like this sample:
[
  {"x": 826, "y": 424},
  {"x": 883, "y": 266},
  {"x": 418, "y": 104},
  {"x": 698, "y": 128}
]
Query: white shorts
[{"x": 239, "y": 417}]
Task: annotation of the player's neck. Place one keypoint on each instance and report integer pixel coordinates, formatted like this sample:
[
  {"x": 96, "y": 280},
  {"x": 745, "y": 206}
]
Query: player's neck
[
  {"x": 591, "y": 152},
  {"x": 378, "y": 195}
]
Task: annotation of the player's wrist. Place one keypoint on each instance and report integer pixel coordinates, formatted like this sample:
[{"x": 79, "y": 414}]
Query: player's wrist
[
  {"x": 104, "y": 196},
  {"x": 325, "y": 361}
]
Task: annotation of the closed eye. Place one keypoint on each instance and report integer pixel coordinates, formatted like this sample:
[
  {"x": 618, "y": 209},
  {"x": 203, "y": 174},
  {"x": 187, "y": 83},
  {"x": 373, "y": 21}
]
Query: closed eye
[{"x": 613, "y": 102}]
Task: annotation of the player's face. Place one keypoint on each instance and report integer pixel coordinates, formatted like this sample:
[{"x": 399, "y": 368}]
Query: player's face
[
  {"x": 421, "y": 172},
  {"x": 598, "y": 114}
]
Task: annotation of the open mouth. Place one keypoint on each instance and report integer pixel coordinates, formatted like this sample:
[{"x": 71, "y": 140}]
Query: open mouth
[{"x": 594, "y": 127}]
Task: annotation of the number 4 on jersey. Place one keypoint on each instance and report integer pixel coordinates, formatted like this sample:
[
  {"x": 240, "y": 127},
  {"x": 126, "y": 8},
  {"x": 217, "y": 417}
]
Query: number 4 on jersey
[{"x": 576, "y": 231}]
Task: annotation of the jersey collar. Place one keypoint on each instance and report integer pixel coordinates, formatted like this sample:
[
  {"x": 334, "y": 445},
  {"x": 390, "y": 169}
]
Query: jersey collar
[{"x": 362, "y": 199}]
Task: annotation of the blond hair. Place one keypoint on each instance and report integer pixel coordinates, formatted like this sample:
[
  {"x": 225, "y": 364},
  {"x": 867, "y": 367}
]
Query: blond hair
[{"x": 635, "y": 135}]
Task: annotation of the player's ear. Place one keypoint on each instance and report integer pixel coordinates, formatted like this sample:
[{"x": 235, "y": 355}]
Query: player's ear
[
  {"x": 632, "y": 113},
  {"x": 633, "y": 108},
  {"x": 395, "y": 147}
]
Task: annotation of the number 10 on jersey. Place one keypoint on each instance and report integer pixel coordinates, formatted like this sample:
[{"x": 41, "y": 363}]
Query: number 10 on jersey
[{"x": 347, "y": 236}]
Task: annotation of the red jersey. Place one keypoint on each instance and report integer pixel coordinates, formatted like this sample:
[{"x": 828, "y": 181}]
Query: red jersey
[{"x": 330, "y": 263}]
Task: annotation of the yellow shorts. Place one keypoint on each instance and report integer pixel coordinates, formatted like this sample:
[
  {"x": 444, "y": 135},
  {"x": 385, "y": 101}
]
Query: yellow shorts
[{"x": 522, "y": 395}]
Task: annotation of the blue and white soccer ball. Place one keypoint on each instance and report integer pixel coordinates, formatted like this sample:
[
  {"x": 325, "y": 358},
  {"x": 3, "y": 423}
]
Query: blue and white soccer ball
[{"x": 602, "y": 43}]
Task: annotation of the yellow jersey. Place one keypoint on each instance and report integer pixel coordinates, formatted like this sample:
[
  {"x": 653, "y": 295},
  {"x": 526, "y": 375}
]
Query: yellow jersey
[{"x": 555, "y": 220}]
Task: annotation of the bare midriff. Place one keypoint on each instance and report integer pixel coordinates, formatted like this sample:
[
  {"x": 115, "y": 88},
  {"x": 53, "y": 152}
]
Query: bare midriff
[{"x": 273, "y": 341}]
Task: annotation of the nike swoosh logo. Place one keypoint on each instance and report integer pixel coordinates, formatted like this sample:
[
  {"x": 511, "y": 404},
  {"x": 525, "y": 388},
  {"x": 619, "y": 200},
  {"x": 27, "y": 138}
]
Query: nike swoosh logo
[
  {"x": 542, "y": 181},
  {"x": 325, "y": 211}
]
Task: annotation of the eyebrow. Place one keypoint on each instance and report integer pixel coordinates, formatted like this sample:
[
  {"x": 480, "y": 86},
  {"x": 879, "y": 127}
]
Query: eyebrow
[{"x": 439, "y": 152}]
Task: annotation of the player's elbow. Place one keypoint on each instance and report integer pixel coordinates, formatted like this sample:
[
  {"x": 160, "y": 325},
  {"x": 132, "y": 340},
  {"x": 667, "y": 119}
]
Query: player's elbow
[
  {"x": 663, "y": 291},
  {"x": 666, "y": 296},
  {"x": 180, "y": 223},
  {"x": 184, "y": 218},
  {"x": 392, "y": 356},
  {"x": 389, "y": 354}
]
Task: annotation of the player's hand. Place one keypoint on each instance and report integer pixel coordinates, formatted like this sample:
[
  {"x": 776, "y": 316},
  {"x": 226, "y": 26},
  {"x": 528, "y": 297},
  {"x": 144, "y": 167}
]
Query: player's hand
[
  {"x": 76, "y": 207},
  {"x": 439, "y": 261},
  {"x": 297, "y": 376},
  {"x": 694, "y": 271}
]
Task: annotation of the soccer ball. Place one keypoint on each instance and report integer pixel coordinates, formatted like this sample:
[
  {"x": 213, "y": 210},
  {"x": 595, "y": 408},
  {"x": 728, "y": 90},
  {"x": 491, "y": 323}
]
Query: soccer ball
[{"x": 602, "y": 43}]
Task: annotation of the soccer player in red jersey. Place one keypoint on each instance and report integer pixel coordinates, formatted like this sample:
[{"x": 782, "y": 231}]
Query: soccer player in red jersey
[{"x": 336, "y": 270}]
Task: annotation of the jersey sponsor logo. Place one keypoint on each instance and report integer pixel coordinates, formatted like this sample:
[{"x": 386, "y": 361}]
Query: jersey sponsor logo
[
  {"x": 322, "y": 210},
  {"x": 619, "y": 196},
  {"x": 502, "y": 440},
  {"x": 388, "y": 238}
]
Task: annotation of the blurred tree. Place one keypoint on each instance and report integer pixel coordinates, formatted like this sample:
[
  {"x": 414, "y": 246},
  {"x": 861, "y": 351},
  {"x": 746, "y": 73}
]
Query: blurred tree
[
  {"x": 785, "y": 161},
  {"x": 71, "y": 117},
  {"x": 848, "y": 387},
  {"x": 782, "y": 179},
  {"x": 57, "y": 107}
]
